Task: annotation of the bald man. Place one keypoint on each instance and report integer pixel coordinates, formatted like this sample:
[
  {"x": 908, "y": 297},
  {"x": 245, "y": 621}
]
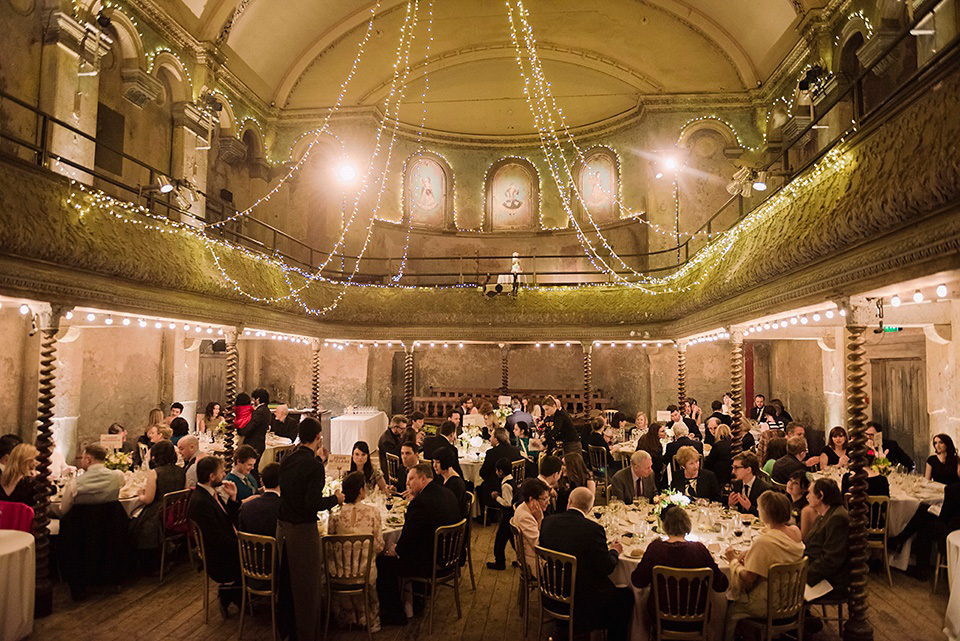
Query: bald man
[{"x": 189, "y": 447}]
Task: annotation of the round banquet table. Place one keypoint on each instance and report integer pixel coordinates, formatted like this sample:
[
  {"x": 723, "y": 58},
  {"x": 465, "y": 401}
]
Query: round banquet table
[{"x": 17, "y": 576}]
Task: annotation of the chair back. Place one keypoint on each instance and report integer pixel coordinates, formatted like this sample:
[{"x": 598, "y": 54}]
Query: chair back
[
  {"x": 197, "y": 537},
  {"x": 682, "y": 602},
  {"x": 258, "y": 557},
  {"x": 347, "y": 559},
  {"x": 608, "y": 414},
  {"x": 470, "y": 498},
  {"x": 280, "y": 452},
  {"x": 779, "y": 487},
  {"x": 173, "y": 513},
  {"x": 519, "y": 470},
  {"x": 785, "y": 585},
  {"x": 598, "y": 460},
  {"x": 878, "y": 510},
  {"x": 16, "y": 516},
  {"x": 393, "y": 469},
  {"x": 520, "y": 546},
  {"x": 447, "y": 546},
  {"x": 557, "y": 579}
]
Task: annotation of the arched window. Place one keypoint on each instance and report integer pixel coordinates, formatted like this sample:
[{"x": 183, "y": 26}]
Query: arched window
[
  {"x": 428, "y": 191},
  {"x": 513, "y": 196},
  {"x": 598, "y": 185}
]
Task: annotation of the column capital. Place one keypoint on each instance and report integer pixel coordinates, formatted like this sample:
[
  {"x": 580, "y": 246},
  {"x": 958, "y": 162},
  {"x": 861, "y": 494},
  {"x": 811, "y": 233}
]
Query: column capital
[
  {"x": 682, "y": 346},
  {"x": 47, "y": 316},
  {"x": 230, "y": 334},
  {"x": 587, "y": 346},
  {"x": 736, "y": 336},
  {"x": 857, "y": 311},
  {"x": 315, "y": 344}
]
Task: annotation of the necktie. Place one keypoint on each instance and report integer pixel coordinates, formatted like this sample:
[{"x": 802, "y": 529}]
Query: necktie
[{"x": 639, "y": 487}]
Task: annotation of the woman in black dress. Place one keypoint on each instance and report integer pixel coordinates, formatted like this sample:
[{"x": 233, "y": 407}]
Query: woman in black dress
[
  {"x": 942, "y": 466},
  {"x": 835, "y": 451}
]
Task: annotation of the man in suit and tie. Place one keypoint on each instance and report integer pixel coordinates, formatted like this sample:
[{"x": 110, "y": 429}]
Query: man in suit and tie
[
  {"x": 259, "y": 514},
  {"x": 96, "y": 485},
  {"x": 431, "y": 506},
  {"x": 500, "y": 440},
  {"x": 759, "y": 407},
  {"x": 189, "y": 448},
  {"x": 443, "y": 440},
  {"x": 572, "y": 533},
  {"x": 677, "y": 419},
  {"x": 747, "y": 488},
  {"x": 217, "y": 522},
  {"x": 636, "y": 480}
]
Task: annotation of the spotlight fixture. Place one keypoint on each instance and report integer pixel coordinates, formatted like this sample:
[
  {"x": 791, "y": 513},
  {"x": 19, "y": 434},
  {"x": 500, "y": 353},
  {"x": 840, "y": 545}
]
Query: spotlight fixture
[
  {"x": 895, "y": 300},
  {"x": 164, "y": 184},
  {"x": 918, "y": 296},
  {"x": 941, "y": 291},
  {"x": 347, "y": 173},
  {"x": 760, "y": 181}
]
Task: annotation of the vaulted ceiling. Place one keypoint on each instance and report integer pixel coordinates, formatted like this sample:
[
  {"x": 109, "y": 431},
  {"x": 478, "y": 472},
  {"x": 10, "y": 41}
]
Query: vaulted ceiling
[{"x": 602, "y": 57}]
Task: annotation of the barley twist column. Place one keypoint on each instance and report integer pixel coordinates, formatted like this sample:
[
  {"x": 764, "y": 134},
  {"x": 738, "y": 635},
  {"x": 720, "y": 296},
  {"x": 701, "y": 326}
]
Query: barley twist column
[
  {"x": 504, "y": 369},
  {"x": 681, "y": 374},
  {"x": 858, "y": 628},
  {"x": 233, "y": 361},
  {"x": 408, "y": 382},
  {"x": 315, "y": 380},
  {"x": 47, "y": 320},
  {"x": 587, "y": 377},
  {"x": 736, "y": 391}
]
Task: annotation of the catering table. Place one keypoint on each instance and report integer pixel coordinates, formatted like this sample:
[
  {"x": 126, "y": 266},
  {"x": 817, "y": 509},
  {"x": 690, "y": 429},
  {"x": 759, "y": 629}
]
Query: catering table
[
  {"x": 347, "y": 429},
  {"x": 17, "y": 576}
]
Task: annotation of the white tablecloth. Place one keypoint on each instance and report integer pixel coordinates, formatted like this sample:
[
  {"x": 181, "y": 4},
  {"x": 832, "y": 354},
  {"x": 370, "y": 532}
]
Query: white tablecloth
[
  {"x": 18, "y": 573},
  {"x": 348, "y": 429},
  {"x": 951, "y": 621}
]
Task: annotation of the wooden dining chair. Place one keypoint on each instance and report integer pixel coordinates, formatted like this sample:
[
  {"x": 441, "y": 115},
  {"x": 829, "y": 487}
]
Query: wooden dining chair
[
  {"x": 468, "y": 536},
  {"x": 557, "y": 581},
  {"x": 601, "y": 474},
  {"x": 347, "y": 559},
  {"x": 258, "y": 567},
  {"x": 174, "y": 524},
  {"x": 518, "y": 469},
  {"x": 785, "y": 605},
  {"x": 878, "y": 511},
  {"x": 681, "y": 603},
  {"x": 447, "y": 546},
  {"x": 528, "y": 582},
  {"x": 197, "y": 537},
  {"x": 393, "y": 469}
]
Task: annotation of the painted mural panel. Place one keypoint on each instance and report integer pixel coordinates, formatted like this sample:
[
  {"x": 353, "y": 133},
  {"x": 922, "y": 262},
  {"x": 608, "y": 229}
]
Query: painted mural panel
[
  {"x": 597, "y": 184},
  {"x": 512, "y": 198},
  {"x": 426, "y": 193}
]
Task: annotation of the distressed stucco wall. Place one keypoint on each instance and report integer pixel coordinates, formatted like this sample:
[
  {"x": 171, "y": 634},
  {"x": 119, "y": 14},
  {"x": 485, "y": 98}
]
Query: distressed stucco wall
[{"x": 797, "y": 380}]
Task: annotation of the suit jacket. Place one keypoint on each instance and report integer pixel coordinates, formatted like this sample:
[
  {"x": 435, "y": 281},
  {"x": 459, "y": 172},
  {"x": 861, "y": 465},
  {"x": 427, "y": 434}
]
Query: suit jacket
[
  {"x": 596, "y": 439},
  {"x": 623, "y": 487},
  {"x": 828, "y": 549},
  {"x": 517, "y": 416},
  {"x": 434, "y": 507},
  {"x": 563, "y": 430},
  {"x": 217, "y": 527},
  {"x": 287, "y": 428},
  {"x": 524, "y": 520},
  {"x": 720, "y": 460},
  {"x": 950, "y": 510},
  {"x": 488, "y": 471},
  {"x": 758, "y": 488},
  {"x": 433, "y": 444},
  {"x": 672, "y": 448},
  {"x": 572, "y": 533},
  {"x": 254, "y": 433},
  {"x": 784, "y": 466},
  {"x": 693, "y": 427},
  {"x": 756, "y": 413},
  {"x": 259, "y": 514},
  {"x": 896, "y": 453},
  {"x": 723, "y": 418},
  {"x": 388, "y": 443},
  {"x": 707, "y": 485}
]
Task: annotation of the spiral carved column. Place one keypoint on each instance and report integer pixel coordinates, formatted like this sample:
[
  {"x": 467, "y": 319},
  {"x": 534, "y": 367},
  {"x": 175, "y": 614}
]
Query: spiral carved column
[
  {"x": 736, "y": 391},
  {"x": 858, "y": 628},
  {"x": 504, "y": 369},
  {"x": 315, "y": 380},
  {"x": 587, "y": 377},
  {"x": 408, "y": 381},
  {"x": 47, "y": 320},
  {"x": 681, "y": 374},
  {"x": 233, "y": 362}
]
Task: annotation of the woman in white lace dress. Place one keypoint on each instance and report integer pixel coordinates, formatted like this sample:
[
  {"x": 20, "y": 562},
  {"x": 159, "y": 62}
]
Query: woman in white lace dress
[{"x": 356, "y": 517}]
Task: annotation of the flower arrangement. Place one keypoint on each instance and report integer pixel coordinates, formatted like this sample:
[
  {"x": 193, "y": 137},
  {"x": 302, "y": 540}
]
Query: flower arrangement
[
  {"x": 117, "y": 460},
  {"x": 470, "y": 438},
  {"x": 332, "y": 486},
  {"x": 882, "y": 465},
  {"x": 663, "y": 501},
  {"x": 502, "y": 413},
  {"x": 220, "y": 428}
]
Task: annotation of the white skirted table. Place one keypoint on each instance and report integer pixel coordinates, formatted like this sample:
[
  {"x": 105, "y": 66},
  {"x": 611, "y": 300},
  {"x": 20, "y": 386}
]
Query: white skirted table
[
  {"x": 18, "y": 558},
  {"x": 348, "y": 429}
]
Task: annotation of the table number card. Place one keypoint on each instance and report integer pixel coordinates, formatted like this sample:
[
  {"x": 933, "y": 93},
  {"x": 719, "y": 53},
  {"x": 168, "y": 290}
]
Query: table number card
[
  {"x": 111, "y": 441},
  {"x": 663, "y": 416}
]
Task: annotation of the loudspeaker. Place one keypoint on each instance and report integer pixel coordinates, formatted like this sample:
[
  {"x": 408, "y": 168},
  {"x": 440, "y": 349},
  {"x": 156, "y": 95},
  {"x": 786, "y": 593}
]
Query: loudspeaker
[{"x": 219, "y": 345}]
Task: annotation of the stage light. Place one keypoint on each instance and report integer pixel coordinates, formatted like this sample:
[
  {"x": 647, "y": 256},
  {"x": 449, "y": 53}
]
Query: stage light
[
  {"x": 760, "y": 182},
  {"x": 895, "y": 300}
]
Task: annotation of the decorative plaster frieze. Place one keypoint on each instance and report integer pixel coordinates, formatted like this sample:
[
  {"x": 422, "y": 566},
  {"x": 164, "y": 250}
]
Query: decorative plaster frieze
[
  {"x": 232, "y": 150},
  {"x": 873, "y": 49},
  {"x": 186, "y": 114}
]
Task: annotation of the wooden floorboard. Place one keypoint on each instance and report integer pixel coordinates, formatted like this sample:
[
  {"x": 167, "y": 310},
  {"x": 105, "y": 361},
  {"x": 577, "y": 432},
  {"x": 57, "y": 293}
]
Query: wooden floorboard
[{"x": 146, "y": 610}]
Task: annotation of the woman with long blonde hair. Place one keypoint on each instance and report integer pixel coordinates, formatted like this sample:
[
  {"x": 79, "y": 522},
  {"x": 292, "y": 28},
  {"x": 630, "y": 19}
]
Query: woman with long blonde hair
[{"x": 17, "y": 483}]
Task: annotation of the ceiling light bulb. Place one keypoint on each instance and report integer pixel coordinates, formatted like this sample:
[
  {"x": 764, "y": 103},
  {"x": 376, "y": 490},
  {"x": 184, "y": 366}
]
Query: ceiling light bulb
[
  {"x": 751, "y": 329},
  {"x": 659, "y": 344},
  {"x": 90, "y": 317},
  {"x": 643, "y": 344},
  {"x": 126, "y": 322},
  {"x": 612, "y": 344},
  {"x": 209, "y": 330},
  {"x": 804, "y": 320},
  {"x": 895, "y": 300},
  {"x": 219, "y": 332},
  {"x": 829, "y": 313},
  {"x": 816, "y": 316},
  {"x": 670, "y": 162},
  {"x": 68, "y": 315},
  {"x": 629, "y": 344},
  {"x": 186, "y": 328},
  {"x": 793, "y": 321},
  {"x": 843, "y": 312},
  {"x": 432, "y": 344},
  {"x": 766, "y": 325},
  {"x": 445, "y": 345},
  {"x": 537, "y": 345},
  {"x": 941, "y": 291},
  {"x": 158, "y": 325},
  {"x": 553, "y": 345},
  {"x": 172, "y": 325},
  {"x": 390, "y": 343},
  {"x": 24, "y": 309},
  {"x": 347, "y": 173},
  {"x": 460, "y": 345},
  {"x": 108, "y": 320},
  {"x": 568, "y": 343},
  {"x": 918, "y": 296},
  {"x": 759, "y": 328}
]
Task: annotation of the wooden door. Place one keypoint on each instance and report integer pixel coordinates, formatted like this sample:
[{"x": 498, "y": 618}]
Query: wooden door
[
  {"x": 213, "y": 380},
  {"x": 900, "y": 404}
]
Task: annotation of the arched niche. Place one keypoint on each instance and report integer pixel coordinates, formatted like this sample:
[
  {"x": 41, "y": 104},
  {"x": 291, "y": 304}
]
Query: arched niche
[
  {"x": 512, "y": 189},
  {"x": 168, "y": 69},
  {"x": 428, "y": 191},
  {"x": 253, "y": 139},
  {"x": 597, "y": 177}
]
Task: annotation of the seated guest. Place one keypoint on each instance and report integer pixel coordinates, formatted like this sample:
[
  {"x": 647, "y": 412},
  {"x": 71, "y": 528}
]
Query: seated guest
[
  {"x": 7, "y": 443},
  {"x": 747, "y": 488},
  {"x": 930, "y": 529},
  {"x": 835, "y": 451},
  {"x": 431, "y": 506},
  {"x": 562, "y": 434},
  {"x": 535, "y": 496},
  {"x": 681, "y": 439},
  {"x": 244, "y": 460},
  {"x": 409, "y": 459},
  {"x": 390, "y": 440},
  {"x": 446, "y": 475},
  {"x": 828, "y": 544},
  {"x": 97, "y": 484},
  {"x": 189, "y": 446},
  {"x": 164, "y": 477},
  {"x": 217, "y": 522},
  {"x": 635, "y": 481},
  {"x": 283, "y": 424},
  {"x": 572, "y": 533},
  {"x": 804, "y": 516},
  {"x": 720, "y": 459},
  {"x": 796, "y": 430},
  {"x": 651, "y": 443},
  {"x": 151, "y": 435},
  {"x": 677, "y": 419},
  {"x": 763, "y": 441},
  {"x": 717, "y": 408},
  {"x": 776, "y": 450},
  {"x": 518, "y": 415},
  {"x": 356, "y": 517},
  {"x": 211, "y": 418},
  {"x": 444, "y": 437},
  {"x": 877, "y": 484},
  {"x": 887, "y": 447},
  {"x": 790, "y": 462},
  {"x": 501, "y": 448},
  {"x": 456, "y": 418},
  {"x": 18, "y": 481},
  {"x": 411, "y": 434},
  {"x": 360, "y": 462},
  {"x": 117, "y": 428},
  {"x": 779, "y": 542},
  {"x": 942, "y": 465},
  {"x": 675, "y": 552},
  {"x": 175, "y": 411},
  {"x": 691, "y": 479},
  {"x": 180, "y": 428},
  {"x": 417, "y": 420},
  {"x": 259, "y": 514},
  {"x": 550, "y": 467},
  {"x": 504, "y": 498},
  {"x": 597, "y": 438},
  {"x": 783, "y": 416},
  {"x": 574, "y": 474}
]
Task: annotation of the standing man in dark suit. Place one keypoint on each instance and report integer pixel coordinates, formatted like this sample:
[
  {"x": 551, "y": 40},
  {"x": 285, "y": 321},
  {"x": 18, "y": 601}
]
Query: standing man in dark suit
[
  {"x": 432, "y": 506},
  {"x": 259, "y": 514},
  {"x": 563, "y": 434},
  {"x": 443, "y": 440},
  {"x": 390, "y": 440},
  {"x": 254, "y": 433},
  {"x": 747, "y": 488},
  {"x": 302, "y": 479},
  {"x": 217, "y": 522},
  {"x": 599, "y": 604},
  {"x": 718, "y": 414},
  {"x": 500, "y": 440}
]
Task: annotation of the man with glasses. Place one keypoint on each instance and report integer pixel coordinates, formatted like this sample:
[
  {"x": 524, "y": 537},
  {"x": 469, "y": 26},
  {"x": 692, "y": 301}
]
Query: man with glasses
[{"x": 747, "y": 488}]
